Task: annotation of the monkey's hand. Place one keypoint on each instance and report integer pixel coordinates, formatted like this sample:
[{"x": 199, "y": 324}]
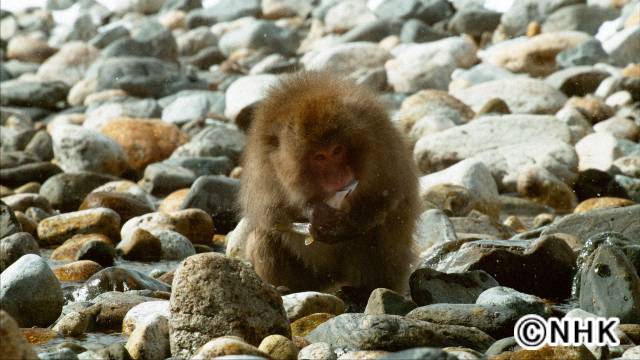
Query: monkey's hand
[{"x": 331, "y": 225}]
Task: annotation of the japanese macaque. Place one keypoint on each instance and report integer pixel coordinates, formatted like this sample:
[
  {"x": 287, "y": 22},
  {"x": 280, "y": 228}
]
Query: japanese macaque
[{"x": 322, "y": 151}]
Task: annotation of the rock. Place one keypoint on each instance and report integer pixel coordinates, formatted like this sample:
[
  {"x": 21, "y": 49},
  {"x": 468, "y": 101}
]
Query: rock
[
  {"x": 114, "y": 351},
  {"x": 429, "y": 65},
  {"x": 163, "y": 178},
  {"x": 117, "y": 279},
  {"x": 393, "y": 332},
  {"x": 540, "y": 185},
  {"x": 429, "y": 286},
  {"x": 150, "y": 340},
  {"x": 194, "y": 224},
  {"x": 67, "y": 191},
  {"x": 42, "y": 94},
  {"x": 472, "y": 175},
  {"x": 144, "y": 141},
  {"x": 589, "y": 52},
  {"x": 602, "y": 203},
  {"x": 385, "y": 301},
  {"x": 512, "y": 299},
  {"x": 416, "y": 31},
  {"x": 216, "y": 196},
  {"x": 30, "y": 284},
  {"x": 58, "y": 354},
  {"x": 185, "y": 109},
  {"x": 303, "y": 326},
  {"x": 549, "y": 352},
  {"x": 597, "y": 151},
  {"x": 225, "y": 346},
  {"x": 346, "y": 59},
  {"x": 543, "y": 258},
  {"x": 609, "y": 286},
  {"x": 628, "y": 165},
  {"x": 159, "y": 244},
  {"x": 21, "y": 202},
  {"x": 504, "y": 345},
  {"x": 421, "y": 353},
  {"x": 631, "y": 353},
  {"x": 433, "y": 103},
  {"x": 207, "y": 286},
  {"x": 142, "y": 76},
  {"x": 217, "y": 140},
  {"x": 79, "y": 149},
  {"x": 58, "y": 228},
  {"x": 593, "y": 108},
  {"x": 108, "y": 36},
  {"x": 9, "y": 224},
  {"x": 474, "y": 22},
  {"x": 194, "y": 40},
  {"x": 301, "y": 304},
  {"x": 483, "y": 72},
  {"x": 22, "y": 174},
  {"x": 240, "y": 97},
  {"x": 126, "y": 205},
  {"x": 69, "y": 64},
  {"x": 619, "y": 127},
  {"x": 96, "y": 247},
  {"x": 119, "y": 106},
  {"x": 200, "y": 166},
  {"x": 578, "y": 17},
  {"x": 535, "y": 55},
  {"x": 28, "y": 49},
  {"x": 113, "y": 306},
  {"x": 279, "y": 347},
  {"x": 14, "y": 344},
  {"x": 13, "y": 247},
  {"x": 144, "y": 313},
  {"x": 344, "y": 16},
  {"x": 578, "y": 80},
  {"x": 259, "y": 35},
  {"x": 221, "y": 11},
  {"x": 77, "y": 271},
  {"x": 148, "y": 38},
  {"x": 623, "y": 46},
  {"x": 517, "y": 93},
  {"x": 41, "y": 146},
  {"x": 595, "y": 183},
  {"x": 433, "y": 228},
  {"x": 317, "y": 351},
  {"x": 173, "y": 201},
  {"x": 429, "y": 11}
]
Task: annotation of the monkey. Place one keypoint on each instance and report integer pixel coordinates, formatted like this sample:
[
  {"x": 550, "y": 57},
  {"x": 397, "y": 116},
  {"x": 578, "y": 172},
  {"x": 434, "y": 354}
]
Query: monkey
[{"x": 313, "y": 135}]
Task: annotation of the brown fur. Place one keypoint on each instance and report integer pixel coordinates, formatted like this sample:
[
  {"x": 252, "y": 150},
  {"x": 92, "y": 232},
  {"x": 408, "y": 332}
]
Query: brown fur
[{"x": 297, "y": 116}]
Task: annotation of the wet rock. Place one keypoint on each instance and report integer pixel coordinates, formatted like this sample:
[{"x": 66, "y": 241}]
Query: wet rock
[
  {"x": 103, "y": 39},
  {"x": 43, "y": 94},
  {"x": 142, "y": 76},
  {"x": 150, "y": 340},
  {"x": 416, "y": 31},
  {"x": 609, "y": 285},
  {"x": 96, "y": 247},
  {"x": 77, "y": 271},
  {"x": 471, "y": 175},
  {"x": 144, "y": 141},
  {"x": 393, "y": 332},
  {"x": 13, "y": 247},
  {"x": 30, "y": 292},
  {"x": 144, "y": 313},
  {"x": 428, "y": 65},
  {"x": 216, "y": 196},
  {"x": 433, "y": 227},
  {"x": 66, "y": 191},
  {"x": 630, "y": 185},
  {"x": 127, "y": 206},
  {"x": 21, "y": 202},
  {"x": 595, "y": 183},
  {"x": 317, "y": 351},
  {"x": 512, "y": 299},
  {"x": 304, "y": 325},
  {"x": 69, "y": 64},
  {"x": 225, "y": 346},
  {"x": 577, "y": 81},
  {"x": 216, "y": 140},
  {"x": 259, "y": 34},
  {"x": 420, "y": 353},
  {"x": 58, "y": 354},
  {"x": 14, "y": 344},
  {"x": 221, "y": 11},
  {"x": 113, "y": 306},
  {"x": 216, "y": 297},
  {"x": 479, "y": 223},
  {"x": 301, "y": 304},
  {"x": 589, "y": 52},
  {"x": 79, "y": 149},
  {"x": 56, "y": 229},
  {"x": 159, "y": 244},
  {"x": 535, "y": 55},
  {"x": 115, "y": 351},
  {"x": 117, "y": 279},
  {"x": 27, "y": 224},
  {"x": 279, "y": 347},
  {"x": 535, "y": 261},
  {"x": 429, "y": 286},
  {"x": 385, "y": 301},
  {"x": 585, "y": 225},
  {"x": 194, "y": 224}
]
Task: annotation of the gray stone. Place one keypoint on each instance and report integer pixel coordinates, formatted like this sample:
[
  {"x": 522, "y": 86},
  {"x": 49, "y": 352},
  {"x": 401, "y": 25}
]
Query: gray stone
[
  {"x": 429, "y": 286},
  {"x": 416, "y": 31},
  {"x": 100, "y": 113},
  {"x": 259, "y": 35},
  {"x": 41, "y": 145},
  {"x": 385, "y": 301},
  {"x": 163, "y": 179},
  {"x": 579, "y": 17},
  {"x": 243, "y": 94},
  {"x": 585, "y": 225},
  {"x": 30, "y": 292},
  {"x": 150, "y": 340},
  {"x": 225, "y": 10},
  {"x": 44, "y": 94},
  {"x": 185, "y": 109},
  {"x": 66, "y": 191},
  {"x": 108, "y": 36},
  {"x": 117, "y": 279},
  {"x": 429, "y": 11},
  {"x": 192, "y": 41},
  {"x": 33, "y": 172},
  {"x": 420, "y": 353},
  {"x": 474, "y": 22},
  {"x": 148, "y": 39},
  {"x": 200, "y": 166},
  {"x": 624, "y": 46},
  {"x": 298, "y": 305},
  {"x": 215, "y": 296},
  {"x": 578, "y": 80},
  {"x": 217, "y": 140},
  {"x": 216, "y": 195},
  {"x": 513, "y": 299},
  {"x": 433, "y": 227},
  {"x": 589, "y": 52},
  {"x": 13, "y": 247},
  {"x": 9, "y": 224},
  {"x": 317, "y": 351}
]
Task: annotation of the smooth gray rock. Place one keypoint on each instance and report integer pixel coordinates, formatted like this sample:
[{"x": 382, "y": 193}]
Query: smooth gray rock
[
  {"x": 13, "y": 247},
  {"x": 429, "y": 286},
  {"x": 216, "y": 195},
  {"x": 43, "y": 94},
  {"x": 585, "y": 225}
]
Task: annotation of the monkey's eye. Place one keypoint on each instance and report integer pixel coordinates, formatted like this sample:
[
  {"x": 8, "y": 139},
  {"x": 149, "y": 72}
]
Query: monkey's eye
[
  {"x": 319, "y": 157},
  {"x": 273, "y": 141}
]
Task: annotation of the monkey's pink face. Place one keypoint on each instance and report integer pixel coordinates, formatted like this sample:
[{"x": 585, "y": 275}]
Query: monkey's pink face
[{"x": 331, "y": 168}]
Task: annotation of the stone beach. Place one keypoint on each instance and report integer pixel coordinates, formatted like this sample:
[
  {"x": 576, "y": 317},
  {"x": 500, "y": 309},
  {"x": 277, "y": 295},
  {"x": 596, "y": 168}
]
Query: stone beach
[{"x": 122, "y": 126}]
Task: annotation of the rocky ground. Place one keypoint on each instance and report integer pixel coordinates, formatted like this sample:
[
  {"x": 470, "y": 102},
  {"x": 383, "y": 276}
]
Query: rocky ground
[{"x": 122, "y": 126}]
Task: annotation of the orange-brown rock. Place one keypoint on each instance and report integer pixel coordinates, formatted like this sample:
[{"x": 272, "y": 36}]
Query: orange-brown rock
[
  {"x": 77, "y": 271},
  {"x": 126, "y": 205},
  {"x": 144, "y": 141},
  {"x": 305, "y": 325},
  {"x": 173, "y": 201},
  {"x": 68, "y": 250},
  {"x": 602, "y": 203}
]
